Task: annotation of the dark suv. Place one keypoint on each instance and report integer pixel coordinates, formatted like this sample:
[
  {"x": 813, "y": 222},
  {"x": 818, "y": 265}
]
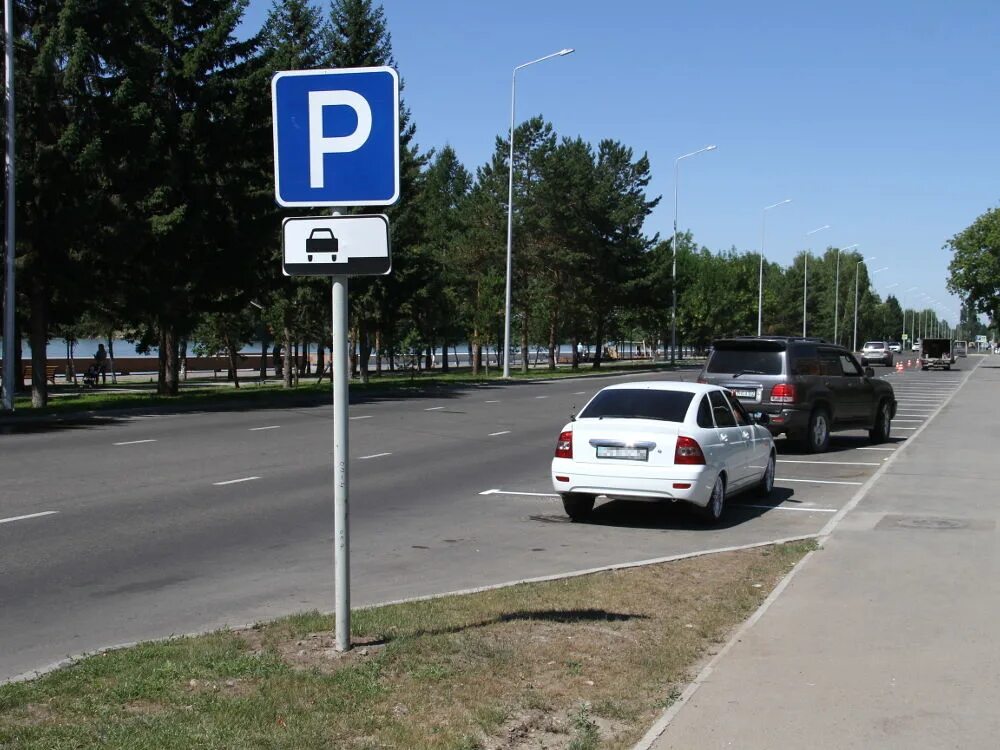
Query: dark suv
[{"x": 807, "y": 387}]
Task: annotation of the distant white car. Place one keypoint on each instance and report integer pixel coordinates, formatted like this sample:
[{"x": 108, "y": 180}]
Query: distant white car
[
  {"x": 662, "y": 441},
  {"x": 877, "y": 351},
  {"x": 895, "y": 347}
]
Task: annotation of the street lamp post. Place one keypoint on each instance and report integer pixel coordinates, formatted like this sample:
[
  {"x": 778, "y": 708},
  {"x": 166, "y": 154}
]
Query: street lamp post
[
  {"x": 760, "y": 280},
  {"x": 836, "y": 293},
  {"x": 673, "y": 272},
  {"x": 912, "y": 316},
  {"x": 510, "y": 206},
  {"x": 857, "y": 274},
  {"x": 805, "y": 277},
  {"x": 9, "y": 325}
]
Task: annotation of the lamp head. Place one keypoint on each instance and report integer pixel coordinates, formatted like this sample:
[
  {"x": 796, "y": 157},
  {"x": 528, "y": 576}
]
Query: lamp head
[{"x": 566, "y": 51}]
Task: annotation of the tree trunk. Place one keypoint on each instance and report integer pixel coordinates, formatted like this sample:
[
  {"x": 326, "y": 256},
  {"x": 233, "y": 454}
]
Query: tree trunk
[
  {"x": 286, "y": 362},
  {"x": 365, "y": 345},
  {"x": 39, "y": 340},
  {"x": 233, "y": 352},
  {"x": 263, "y": 357},
  {"x": 475, "y": 353},
  {"x": 111, "y": 358},
  {"x": 524, "y": 343},
  {"x": 320, "y": 360},
  {"x": 575, "y": 342},
  {"x": 378, "y": 352},
  {"x": 599, "y": 348},
  {"x": 553, "y": 346},
  {"x": 444, "y": 358},
  {"x": 429, "y": 357},
  {"x": 70, "y": 369},
  {"x": 169, "y": 361}
]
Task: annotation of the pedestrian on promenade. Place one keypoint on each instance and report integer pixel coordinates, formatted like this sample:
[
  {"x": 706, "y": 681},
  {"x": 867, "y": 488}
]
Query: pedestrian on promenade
[{"x": 101, "y": 362}]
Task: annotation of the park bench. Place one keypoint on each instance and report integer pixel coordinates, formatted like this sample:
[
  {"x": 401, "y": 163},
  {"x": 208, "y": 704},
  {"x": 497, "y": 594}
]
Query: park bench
[{"x": 50, "y": 373}]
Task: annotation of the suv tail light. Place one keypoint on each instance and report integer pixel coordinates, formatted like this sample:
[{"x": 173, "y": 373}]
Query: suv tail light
[
  {"x": 783, "y": 393},
  {"x": 564, "y": 447},
  {"x": 688, "y": 452}
]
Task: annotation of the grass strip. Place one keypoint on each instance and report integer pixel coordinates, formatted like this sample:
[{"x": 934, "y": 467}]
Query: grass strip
[{"x": 581, "y": 663}]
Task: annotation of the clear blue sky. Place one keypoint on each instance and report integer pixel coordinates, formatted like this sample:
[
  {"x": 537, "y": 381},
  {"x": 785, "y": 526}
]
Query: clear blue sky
[{"x": 879, "y": 118}]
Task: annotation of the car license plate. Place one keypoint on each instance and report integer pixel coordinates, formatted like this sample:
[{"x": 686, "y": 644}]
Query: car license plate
[
  {"x": 745, "y": 392},
  {"x": 629, "y": 454}
]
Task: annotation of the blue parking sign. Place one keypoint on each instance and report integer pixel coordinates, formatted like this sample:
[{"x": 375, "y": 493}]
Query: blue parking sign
[{"x": 336, "y": 137}]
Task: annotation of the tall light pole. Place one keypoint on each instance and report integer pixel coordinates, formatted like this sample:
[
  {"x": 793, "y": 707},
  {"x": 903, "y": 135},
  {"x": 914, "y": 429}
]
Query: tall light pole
[
  {"x": 836, "y": 293},
  {"x": 673, "y": 272},
  {"x": 857, "y": 273},
  {"x": 760, "y": 281},
  {"x": 8, "y": 304},
  {"x": 510, "y": 206},
  {"x": 912, "y": 316},
  {"x": 805, "y": 276}
]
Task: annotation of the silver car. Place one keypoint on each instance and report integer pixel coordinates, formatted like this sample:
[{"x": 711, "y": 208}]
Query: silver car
[{"x": 877, "y": 352}]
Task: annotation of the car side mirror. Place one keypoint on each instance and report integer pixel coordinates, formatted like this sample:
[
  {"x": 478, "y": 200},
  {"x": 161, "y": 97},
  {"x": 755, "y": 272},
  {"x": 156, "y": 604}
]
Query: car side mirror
[
  {"x": 762, "y": 418},
  {"x": 869, "y": 372},
  {"x": 572, "y": 417}
]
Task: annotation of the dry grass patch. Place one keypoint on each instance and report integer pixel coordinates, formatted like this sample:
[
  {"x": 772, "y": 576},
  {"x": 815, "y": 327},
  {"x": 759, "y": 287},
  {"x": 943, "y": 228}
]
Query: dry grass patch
[{"x": 581, "y": 663}]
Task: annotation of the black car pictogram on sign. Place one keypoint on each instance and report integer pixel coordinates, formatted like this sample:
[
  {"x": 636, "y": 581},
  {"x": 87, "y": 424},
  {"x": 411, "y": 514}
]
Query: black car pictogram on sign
[{"x": 322, "y": 241}]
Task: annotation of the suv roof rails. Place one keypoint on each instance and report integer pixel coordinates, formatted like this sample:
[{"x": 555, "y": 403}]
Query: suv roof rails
[{"x": 809, "y": 339}]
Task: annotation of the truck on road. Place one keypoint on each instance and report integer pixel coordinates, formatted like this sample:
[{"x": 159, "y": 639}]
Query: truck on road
[{"x": 936, "y": 353}]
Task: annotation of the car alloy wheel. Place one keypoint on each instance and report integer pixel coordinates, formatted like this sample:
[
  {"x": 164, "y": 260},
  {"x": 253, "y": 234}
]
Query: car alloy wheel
[
  {"x": 879, "y": 432},
  {"x": 767, "y": 480},
  {"x": 716, "y": 501},
  {"x": 819, "y": 431}
]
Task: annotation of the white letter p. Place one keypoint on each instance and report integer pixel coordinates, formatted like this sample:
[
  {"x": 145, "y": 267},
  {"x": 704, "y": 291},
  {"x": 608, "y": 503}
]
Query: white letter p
[{"x": 318, "y": 145}]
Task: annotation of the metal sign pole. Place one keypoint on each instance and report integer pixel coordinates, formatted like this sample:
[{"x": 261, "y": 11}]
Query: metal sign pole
[
  {"x": 8, "y": 308},
  {"x": 341, "y": 554}
]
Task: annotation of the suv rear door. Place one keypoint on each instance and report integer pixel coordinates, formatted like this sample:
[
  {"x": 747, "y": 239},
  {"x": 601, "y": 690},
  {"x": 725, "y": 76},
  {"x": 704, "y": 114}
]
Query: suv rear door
[
  {"x": 856, "y": 401},
  {"x": 750, "y": 369}
]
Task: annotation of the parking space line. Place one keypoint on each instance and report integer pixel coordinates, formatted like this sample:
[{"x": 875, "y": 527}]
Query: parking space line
[
  {"x": 580, "y": 393},
  {"x": 135, "y": 442},
  {"x": 818, "y": 481},
  {"x": 502, "y": 432},
  {"x": 366, "y": 416},
  {"x": 785, "y": 507},
  {"x": 829, "y": 463},
  {"x": 492, "y": 402},
  {"x": 235, "y": 481},
  {"x": 269, "y": 427},
  {"x": 526, "y": 494},
  {"x": 30, "y": 515},
  {"x": 541, "y": 396},
  {"x": 374, "y": 455},
  {"x": 434, "y": 408},
  {"x": 873, "y": 448},
  {"x": 907, "y": 428}
]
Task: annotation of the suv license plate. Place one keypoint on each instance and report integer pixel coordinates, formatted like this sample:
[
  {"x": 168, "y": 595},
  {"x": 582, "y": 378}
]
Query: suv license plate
[
  {"x": 745, "y": 393},
  {"x": 629, "y": 454}
]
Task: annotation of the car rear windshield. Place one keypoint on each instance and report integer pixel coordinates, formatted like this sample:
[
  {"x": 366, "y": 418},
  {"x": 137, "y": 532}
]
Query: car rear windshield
[
  {"x": 745, "y": 361},
  {"x": 639, "y": 403},
  {"x": 874, "y": 345}
]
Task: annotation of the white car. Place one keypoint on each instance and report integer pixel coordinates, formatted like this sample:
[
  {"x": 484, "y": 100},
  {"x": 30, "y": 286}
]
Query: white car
[{"x": 662, "y": 441}]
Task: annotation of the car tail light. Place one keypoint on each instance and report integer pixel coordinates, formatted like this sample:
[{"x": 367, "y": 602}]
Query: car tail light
[
  {"x": 783, "y": 393},
  {"x": 688, "y": 452},
  {"x": 564, "y": 447}
]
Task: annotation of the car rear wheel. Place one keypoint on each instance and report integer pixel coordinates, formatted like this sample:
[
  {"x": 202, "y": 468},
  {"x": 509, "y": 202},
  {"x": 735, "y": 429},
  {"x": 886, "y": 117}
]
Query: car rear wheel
[
  {"x": 578, "y": 507},
  {"x": 818, "y": 434},
  {"x": 767, "y": 480},
  {"x": 879, "y": 432},
  {"x": 712, "y": 512}
]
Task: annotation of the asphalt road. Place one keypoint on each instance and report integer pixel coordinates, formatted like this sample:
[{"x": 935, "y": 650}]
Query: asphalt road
[{"x": 142, "y": 527}]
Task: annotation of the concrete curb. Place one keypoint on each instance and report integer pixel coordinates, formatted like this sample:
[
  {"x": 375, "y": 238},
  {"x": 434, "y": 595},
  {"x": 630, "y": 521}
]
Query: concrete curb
[{"x": 655, "y": 731}]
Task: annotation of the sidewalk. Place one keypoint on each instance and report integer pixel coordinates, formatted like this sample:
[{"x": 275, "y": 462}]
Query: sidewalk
[{"x": 888, "y": 636}]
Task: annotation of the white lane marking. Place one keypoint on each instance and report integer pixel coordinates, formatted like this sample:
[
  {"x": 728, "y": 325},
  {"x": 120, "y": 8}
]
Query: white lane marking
[
  {"x": 434, "y": 408},
  {"x": 906, "y": 428},
  {"x": 269, "y": 427},
  {"x": 135, "y": 442},
  {"x": 235, "y": 481},
  {"x": 526, "y": 494},
  {"x": 30, "y": 515},
  {"x": 785, "y": 507},
  {"x": 367, "y": 416},
  {"x": 580, "y": 393},
  {"x": 830, "y": 463},
  {"x": 374, "y": 455},
  {"x": 502, "y": 432},
  {"x": 492, "y": 402},
  {"x": 541, "y": 396},
  {"x": 908, "y": 420},
  {"x": 913, "y": 413},
  {"x": 818, "y": 481},
  {"x": 874, "y": 448}
]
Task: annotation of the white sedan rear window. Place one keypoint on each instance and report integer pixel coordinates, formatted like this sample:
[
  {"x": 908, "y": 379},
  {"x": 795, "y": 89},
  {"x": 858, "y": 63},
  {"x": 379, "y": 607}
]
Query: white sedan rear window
[
  {"x": 639, "y": 403},
  {"x": 875, "y": 345}
]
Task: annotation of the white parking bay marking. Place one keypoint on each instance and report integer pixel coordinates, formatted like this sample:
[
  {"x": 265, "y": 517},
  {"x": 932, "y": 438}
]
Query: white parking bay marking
[
  {"x": 580, "y": 393},
  {"x": 906, "y": 428},
  {"x": 819, "y": 481},
  {"x": 366, "y": 416},
  {"x": 492, "y": 402},
  {"x": 269, "y": 427},
  {"x": 908, "y": 420},
  {"x": 874, "y": 448},
  {"x": 786, "y": 507},
  {"x": 374, "y": 455},
  {"x": 136, "y": 442},
  {"x": 235, "y": 481},
  {"x": 434, "y": 408},
  {"x": 30, "y": 515},
  {"x": 524, "y": 494},
  {"x": 502, "y": 432},
  {"x": 541, "y": 396},
  {"x": 829, "y": 463}
]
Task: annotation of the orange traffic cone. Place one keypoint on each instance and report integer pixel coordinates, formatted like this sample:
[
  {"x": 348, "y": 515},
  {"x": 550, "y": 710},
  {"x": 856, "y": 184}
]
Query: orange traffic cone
[{"x": 899, "y": 367}]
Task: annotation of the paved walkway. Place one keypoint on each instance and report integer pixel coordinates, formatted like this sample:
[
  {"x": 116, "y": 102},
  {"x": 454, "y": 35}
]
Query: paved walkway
[{"x": 889, "y": 636}]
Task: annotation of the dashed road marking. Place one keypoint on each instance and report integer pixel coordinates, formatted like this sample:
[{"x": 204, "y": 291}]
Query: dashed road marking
[
  {"x": 30, "y": 515},
  {"x": 828, "y": 463},
  {"x": 502, "y": 432},
  {"x": 525, "y": 494},
  {"x": 874, "y": 448},
  {"x": 269, "y": 427},
  {"x": 366, "y": 416},
  {"x": 235, "y": 481},
  {"x": 136, "y": 442},
  {"x": 434, "y": 408},
  {"x": 374, "y": 455},
  {"x": 492, "y": 402}
]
